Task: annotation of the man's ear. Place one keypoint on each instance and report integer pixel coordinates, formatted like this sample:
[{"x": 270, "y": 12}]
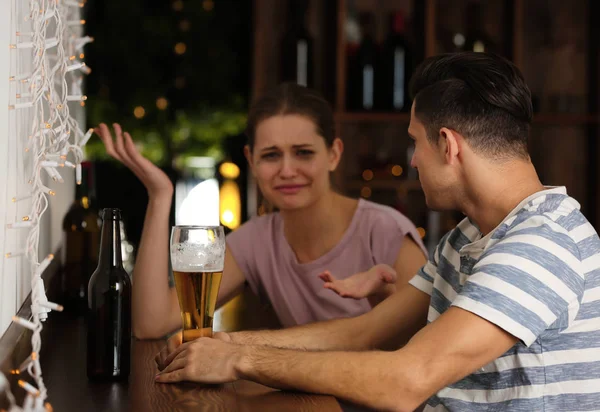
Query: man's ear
[{"x": 449, "y": 143}]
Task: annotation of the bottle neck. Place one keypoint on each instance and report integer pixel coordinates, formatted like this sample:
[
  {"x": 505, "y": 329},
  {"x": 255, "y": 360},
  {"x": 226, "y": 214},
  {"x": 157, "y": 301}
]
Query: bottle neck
[
  {"x": 297, "y": 14},
  {"x": 110, "y": 243},
  {"x": 474, "y": 18}
]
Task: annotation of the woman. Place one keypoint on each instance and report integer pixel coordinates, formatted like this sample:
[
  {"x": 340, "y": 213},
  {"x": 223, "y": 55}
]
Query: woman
[{"x": 291, "y": 150}]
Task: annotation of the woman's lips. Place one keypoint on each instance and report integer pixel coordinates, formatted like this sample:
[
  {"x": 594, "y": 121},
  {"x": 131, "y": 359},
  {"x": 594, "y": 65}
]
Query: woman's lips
[{"x": 289, "y": 189}]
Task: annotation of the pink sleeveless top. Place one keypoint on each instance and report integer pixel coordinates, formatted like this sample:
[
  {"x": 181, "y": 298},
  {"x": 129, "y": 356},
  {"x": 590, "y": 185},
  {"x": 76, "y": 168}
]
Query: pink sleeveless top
[{"x": 294, "y": 289}]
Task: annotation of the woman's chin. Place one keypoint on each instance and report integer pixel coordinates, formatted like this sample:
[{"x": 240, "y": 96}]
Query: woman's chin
[{"x": 290, "y": 203}]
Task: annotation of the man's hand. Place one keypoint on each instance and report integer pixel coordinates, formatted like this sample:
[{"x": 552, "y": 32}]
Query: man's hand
[
  {"x": 175, "y": 341},
  {"x": 379, "y": 280},
  {"x": 172, "y": 343},
  {"x": 204, "y": 360}
]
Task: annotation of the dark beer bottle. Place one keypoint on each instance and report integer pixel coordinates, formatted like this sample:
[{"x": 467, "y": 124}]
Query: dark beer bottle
[
  {"x": 81, "y": 231},
  {"x": 109, "y": 307}
]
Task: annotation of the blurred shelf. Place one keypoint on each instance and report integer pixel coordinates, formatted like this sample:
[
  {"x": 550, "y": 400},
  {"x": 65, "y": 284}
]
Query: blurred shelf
[
  {"x": 538, "y": 118},
  {"x": 566, "y": 118},
  {"x": 355, "y": 117},
  {"x": 390, "y": 184}
]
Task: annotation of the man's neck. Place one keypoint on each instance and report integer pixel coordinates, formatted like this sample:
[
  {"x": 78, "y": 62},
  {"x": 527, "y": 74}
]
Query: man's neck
[{"x": 492, "y": 195}]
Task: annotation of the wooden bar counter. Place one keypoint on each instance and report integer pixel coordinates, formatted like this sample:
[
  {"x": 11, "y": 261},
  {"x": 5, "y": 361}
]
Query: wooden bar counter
[{"x": 63, "y": 365}]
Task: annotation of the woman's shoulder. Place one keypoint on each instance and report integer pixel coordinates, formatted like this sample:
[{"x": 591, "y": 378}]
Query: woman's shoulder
[
  {"x": 376, "y": 214},
  {"x": 257, "y": 227}
]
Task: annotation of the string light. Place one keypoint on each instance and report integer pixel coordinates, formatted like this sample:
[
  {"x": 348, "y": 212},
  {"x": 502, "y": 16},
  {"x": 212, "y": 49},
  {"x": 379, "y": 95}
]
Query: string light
[
  {"x": 47, "y": 53},
  {"x": 25, "y": 323},
  {"x": 76, "y": 22},
  {"x": 19, "y": 198},
  {"x": 180, "y": 82},
  {"x": 208, "y": 5},
  {"x": 73, "y": 3},
  {"x": 19, "y": 225},
  {"x": 184, "y": 25},
  {"x": 25, "y": 364},
  {"x": 178, "y": 5},
  {"x": 162, "y": 103},
  {"x": 86, "y": 137},
  {"x": 79, "y": 43},
  {"x": 78, "y": 173},
  {"x": 14, "y": 254},
  {"x": 180, "y": 48},
  {"x": 20, "y": 106},
  {"x": 23, "y": 76},
  {"x": 76, "y": 98},
  {"x": 29, "y": 388},
  {"x": 139, "y": 112},
  {"x": 75, "y": 66}
]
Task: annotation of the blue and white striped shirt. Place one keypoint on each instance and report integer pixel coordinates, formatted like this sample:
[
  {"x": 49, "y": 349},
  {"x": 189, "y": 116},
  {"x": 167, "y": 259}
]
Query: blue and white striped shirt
[{"x": 537, "y": 276}]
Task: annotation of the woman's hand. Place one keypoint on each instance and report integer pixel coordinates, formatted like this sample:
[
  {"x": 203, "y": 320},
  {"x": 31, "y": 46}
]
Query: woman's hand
[
  {"x": 123, "y": 149},
  {"x": 378, "y": 281}
]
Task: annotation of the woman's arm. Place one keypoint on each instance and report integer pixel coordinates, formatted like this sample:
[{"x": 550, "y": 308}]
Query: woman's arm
[
  {"x": 155, "y": 307},
  {"x": 381, "y": 281}
]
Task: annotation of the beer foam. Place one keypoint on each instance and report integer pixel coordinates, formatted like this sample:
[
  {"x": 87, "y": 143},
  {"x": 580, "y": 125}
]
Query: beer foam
[{"x": 198, "y": 257}]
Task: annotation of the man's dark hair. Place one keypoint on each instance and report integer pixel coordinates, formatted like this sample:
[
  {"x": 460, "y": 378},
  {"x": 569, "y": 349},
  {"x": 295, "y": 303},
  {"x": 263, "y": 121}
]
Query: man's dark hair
[{"x": 482, "y": 96}]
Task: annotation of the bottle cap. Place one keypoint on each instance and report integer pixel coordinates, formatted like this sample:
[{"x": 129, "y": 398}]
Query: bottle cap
[
  {"x": 398, "y": 22},
  {"x": 111, "y": 213}
]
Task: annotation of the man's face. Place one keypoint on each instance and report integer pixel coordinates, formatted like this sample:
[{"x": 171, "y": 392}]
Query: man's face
[{"x": 435, "y": 174}]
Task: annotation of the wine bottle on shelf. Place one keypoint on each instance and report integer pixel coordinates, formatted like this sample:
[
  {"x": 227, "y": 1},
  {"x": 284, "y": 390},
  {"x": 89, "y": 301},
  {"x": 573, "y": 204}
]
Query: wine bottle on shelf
[
  {"x": 396, "y": 66},
  {"x": 109, "y": 308},
  {"x": 297, "y": 47},
  {"x": 81, "y": 241},
  {"x": 363, "y": 75}
]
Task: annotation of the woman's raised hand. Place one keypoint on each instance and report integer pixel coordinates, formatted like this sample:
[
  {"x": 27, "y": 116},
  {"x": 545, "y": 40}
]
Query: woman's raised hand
[{"x": 123, "y": 149}]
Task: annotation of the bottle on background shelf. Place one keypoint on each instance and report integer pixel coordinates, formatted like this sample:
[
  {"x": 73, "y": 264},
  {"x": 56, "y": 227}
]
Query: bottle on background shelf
[
  {"x": 297, "y": 52},
  {"x": 109, "y": 307},
  {"x": 81, "y": 241},
  {"x": 363, "y": 68},
  {"x": 476, "y": 38},
  {"x": 396, "y": 67}
]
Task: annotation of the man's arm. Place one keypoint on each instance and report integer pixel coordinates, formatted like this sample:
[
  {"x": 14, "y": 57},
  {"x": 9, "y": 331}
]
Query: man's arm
[
  {"x": 390, "y": 324},
  {"x": 448, "y": 349}
]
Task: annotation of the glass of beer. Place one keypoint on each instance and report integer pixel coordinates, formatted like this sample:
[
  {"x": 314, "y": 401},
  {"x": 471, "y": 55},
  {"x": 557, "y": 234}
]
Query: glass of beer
[{"x": 197, "y": 257}]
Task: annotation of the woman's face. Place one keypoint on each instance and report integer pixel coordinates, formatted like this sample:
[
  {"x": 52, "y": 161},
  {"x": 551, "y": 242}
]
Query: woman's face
[{"x": 291, "y": 162}]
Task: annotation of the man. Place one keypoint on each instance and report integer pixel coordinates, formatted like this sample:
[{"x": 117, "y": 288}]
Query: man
[{"x": 504, "y": 316}]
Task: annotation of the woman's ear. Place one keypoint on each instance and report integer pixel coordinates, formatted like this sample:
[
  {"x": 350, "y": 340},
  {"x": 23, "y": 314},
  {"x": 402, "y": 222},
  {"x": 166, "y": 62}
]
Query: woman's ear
[
  {"x": 335, "y": 153},
  {"x": 248, "y": 155}
]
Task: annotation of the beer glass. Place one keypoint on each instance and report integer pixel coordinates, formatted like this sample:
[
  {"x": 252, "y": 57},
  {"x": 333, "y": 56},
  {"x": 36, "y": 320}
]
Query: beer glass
[{"x": 197, "y": 258}]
